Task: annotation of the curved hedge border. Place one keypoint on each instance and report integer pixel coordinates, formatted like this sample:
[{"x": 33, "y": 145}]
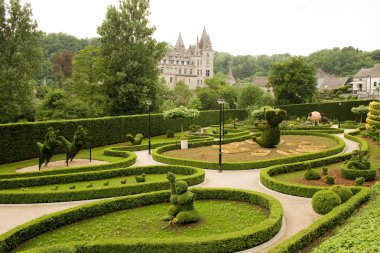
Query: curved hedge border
[
  {"x": 157, "y": 155},
  {"x": 194, "y": 176},
  {"x": 353, "y": 174},
  {"x": 229, "y": 242},
  {"x": 297, "y": 189},
  {"x": 130, "y": 159},
  {"x": 324, "y": 224}
]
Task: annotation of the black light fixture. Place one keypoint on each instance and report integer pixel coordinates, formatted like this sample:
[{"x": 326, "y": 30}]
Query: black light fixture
[
  {"x": 235, "y": 105},
  {"x": 149, "y": 103},
  {"x": 340, "y": 108},
  {"x": 221, "y": 106}
]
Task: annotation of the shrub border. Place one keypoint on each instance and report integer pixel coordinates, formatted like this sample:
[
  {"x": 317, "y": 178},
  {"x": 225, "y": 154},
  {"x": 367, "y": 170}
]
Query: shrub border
[
  {"x": 229, "y": 242},
  {"x": 194, "y": 176},
  {"x": 157, "y": 154},
  {"x": 353, "y": 174}
]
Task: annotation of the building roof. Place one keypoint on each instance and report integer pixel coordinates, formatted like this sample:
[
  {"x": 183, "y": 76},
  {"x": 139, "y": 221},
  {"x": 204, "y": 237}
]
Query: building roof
[
  {"x": 180, "y": 46},
  {"x": 261, "y": 81},
  {"x": 362, "y": 73},
  {"x": 331, "y": 83}
]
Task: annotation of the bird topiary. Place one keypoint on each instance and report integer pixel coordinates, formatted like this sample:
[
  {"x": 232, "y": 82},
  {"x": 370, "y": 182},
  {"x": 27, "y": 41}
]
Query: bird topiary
[
  {"x": 135, "y": 140},
  {"x": 324, "y": 201},
  {"x": 311, "y": 174},
  {"x": 140, "y": 178},
  {"x": 80, "y": 139},
  {"x": 343, "y": 192},
  {"x": 270, "y": 131},
  {"x": 182, "y": 211},
  {"x": 47, "y": 148}
]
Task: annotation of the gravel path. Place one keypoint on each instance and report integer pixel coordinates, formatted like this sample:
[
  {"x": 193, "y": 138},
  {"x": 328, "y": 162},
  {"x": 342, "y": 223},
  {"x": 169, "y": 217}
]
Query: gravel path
[{"x": 298, "y": 213}]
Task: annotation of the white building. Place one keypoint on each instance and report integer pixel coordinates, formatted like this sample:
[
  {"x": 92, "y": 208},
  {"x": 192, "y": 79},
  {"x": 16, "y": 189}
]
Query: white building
[
  {"x": 192, "y": 66},
  {"x": 366, "y": 82}
]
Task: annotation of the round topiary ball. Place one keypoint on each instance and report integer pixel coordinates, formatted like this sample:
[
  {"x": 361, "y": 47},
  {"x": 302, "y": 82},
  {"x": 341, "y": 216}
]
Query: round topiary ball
[
  {"x": 311, "y": 174},
  {"x": 324, "y": 201},
  {"x": 343, "y": 192},
  {"x": 359, "y": 181},
  {"x": 329, "y": 180}
]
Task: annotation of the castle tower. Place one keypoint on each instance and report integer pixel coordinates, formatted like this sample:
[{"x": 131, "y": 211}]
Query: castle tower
[
  {"x": 230, "y": 77},
  {"x": 180, "y": 46}
]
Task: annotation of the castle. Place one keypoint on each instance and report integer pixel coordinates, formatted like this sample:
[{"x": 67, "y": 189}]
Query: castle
[{"x": 192, "y": 66}]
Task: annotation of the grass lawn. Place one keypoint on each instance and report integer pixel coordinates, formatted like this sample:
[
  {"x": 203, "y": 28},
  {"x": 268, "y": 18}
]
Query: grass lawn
[
  {"x": 85, "y": 185},
  {"x": 360, "y": 233},
  {"x": 217, "y": 217}
]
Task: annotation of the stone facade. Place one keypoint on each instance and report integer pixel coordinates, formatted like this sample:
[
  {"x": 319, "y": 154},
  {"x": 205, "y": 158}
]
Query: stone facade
[{"x": 192, "y": 66}]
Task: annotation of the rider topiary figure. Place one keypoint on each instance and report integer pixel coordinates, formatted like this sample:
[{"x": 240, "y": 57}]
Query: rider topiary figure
[
  {"x": 47, "y": 148},
  {"x": 80, "y": 139},
  {"x": 182, "y": 211},
  {"x": 270, "y": 135}
]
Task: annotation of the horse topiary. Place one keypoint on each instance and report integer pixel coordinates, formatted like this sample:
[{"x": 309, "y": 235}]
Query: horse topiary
[
  {"x": 80, "y": 139},
  {"x": 182, "y": 211},
  {"x": 47, "y": 148},
  {"x": 270, "y": 132}
]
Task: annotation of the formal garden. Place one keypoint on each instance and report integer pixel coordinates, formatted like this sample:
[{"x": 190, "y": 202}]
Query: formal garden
[{"x": 206, "y": 187}]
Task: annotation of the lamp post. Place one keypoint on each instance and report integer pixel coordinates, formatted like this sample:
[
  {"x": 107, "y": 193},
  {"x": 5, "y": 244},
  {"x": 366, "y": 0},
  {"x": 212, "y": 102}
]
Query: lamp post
[
  {"x": 149, "y": 103},
  {"x": 339, "y": 109},
  {"x": 235, "y": 105},
  {"x": 221, "y": 106}
]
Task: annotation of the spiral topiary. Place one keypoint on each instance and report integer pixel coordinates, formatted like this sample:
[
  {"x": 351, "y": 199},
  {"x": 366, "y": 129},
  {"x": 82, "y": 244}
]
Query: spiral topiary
[
  {"x": 324, "y": 201},
  {"x": 373, "y": 116},
  {"x": 270, "y": 135},
  {"x": 343, "y": 192}
]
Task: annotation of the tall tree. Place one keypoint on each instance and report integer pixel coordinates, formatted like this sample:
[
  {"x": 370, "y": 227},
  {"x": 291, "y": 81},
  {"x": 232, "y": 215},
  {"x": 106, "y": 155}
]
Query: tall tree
[
  {"x": 131, "y": 56},
  {"x": 294, "y": 80},
  {"x": 182, "y": 94},
  {"x": 20, "y": 59},
  {"x": 62, "y": 64}
]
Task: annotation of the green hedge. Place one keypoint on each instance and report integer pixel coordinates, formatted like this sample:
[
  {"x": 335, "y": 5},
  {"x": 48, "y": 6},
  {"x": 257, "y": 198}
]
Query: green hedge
[
  {"x": 158, "y": 156},
  {"x": 352, "y": 174},
  {"x": 330, "y": 110},
  {"x": 321, "y": 226},
  {"x": 194, "y": 176},
  {"x": 266, "y": 175},
  {"x": 230, "y": 242},
  {"x": 18, "y": 141},
  {"x": 130, "y": 159}
]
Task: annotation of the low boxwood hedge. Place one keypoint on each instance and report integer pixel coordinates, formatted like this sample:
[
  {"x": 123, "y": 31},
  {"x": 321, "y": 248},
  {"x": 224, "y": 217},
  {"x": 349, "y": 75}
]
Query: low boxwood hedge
[
  {"x": 194, "y": 176},
  {"x": 322, "y": 225},
  {"x": 230, "y": 242},
  {"x": 130, "y": 159},
  {"x": 158, "y": 156},
  {"x": 353, "y": 174}
]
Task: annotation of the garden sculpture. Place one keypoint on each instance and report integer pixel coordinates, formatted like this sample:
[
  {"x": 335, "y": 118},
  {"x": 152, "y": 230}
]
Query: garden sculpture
[
  {"x": 135, "y": 140},
  {"x": 182, "y": 211},
  {"x": 80, "y": 139},
  {"x": 270, "y": 132},
  {"x": 48, "y": 147}
]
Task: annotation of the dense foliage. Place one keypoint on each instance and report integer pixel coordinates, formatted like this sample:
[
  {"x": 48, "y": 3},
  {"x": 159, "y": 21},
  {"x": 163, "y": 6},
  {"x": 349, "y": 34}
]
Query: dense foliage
[{"x": 324, "y": 201}]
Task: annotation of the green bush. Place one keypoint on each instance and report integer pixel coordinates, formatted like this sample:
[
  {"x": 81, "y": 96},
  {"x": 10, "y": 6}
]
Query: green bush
[
  {"x": 311, "y": 174},
  {"x": 352, "y": 174},
  {"x": 343, "y": 192},
  {"x": 329, "y": 180},
  {"x": 170, "y": 134},
  {"x": 135, "y": 140},
  {"x": 270, "y": 131},
  {"x": 324, "y": 201},
  {"x": 194, "y": 128},
  {"x": 359, "y": 181},
  {"x": 140, "y": 178},
  {"x": 249, "y": 237},
  {"x": 356, "y": 165},
  {"x": 325, "y": 171},
  {"x": 18, "y": 141}
]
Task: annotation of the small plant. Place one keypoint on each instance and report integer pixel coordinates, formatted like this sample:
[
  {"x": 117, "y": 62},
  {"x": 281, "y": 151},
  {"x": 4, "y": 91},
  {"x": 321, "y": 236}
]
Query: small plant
[
  {"x": 55, "y": 188},
  {"x": 106, "y": 183},
  {"x": 359, "y": 181},
  {"x": 194, "y": 128},
  {"x": 123, "y": 181},
  {"x": 135, "y": 140},
  {"x": 343, "y": 192},
  {"x": 330, "y": 180},
  {"x": 324, "y": 201},
  {"x": 89, "y": 186},
  {"x": 325, "y": 171},
  {"x": 311, "y": 174},
  {"x": 140, "y": 178},
  {"x": 72, "y": 187},
  {"x": 170, "y": 134}
]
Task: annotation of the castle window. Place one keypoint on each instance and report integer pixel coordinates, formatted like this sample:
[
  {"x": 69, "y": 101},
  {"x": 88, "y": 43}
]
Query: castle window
[
  {"x": 180, "y": 71},
  {"x": 207, "y": 72},
  {"x": 182, "y": 62},
  {"x": 171, "y": 79},
  {"x": 189, "y": 81},
  {"x": 208, "y": 55},
  {"x": 185, "y": 71},
  {"x": 197, "y": 72}
]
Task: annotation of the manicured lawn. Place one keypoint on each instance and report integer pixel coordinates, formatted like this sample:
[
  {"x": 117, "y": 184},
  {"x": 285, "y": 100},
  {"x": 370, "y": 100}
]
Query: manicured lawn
[
  {"x": 96, "y": 184},
  {"x": 218, "y": 217},
  {"x": 290, "y": 144},
  {"x": 360, "y": 233}
]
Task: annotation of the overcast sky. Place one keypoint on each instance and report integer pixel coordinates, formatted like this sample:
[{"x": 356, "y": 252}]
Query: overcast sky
[{"x": 254, "y": 27}]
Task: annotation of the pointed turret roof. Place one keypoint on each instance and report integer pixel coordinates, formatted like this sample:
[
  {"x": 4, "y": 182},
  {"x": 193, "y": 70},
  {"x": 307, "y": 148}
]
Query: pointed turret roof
[
  {"x": 230, "y": 77},
  {"x": 205, "y": 42},
  {"x": 180, "y": 46}
]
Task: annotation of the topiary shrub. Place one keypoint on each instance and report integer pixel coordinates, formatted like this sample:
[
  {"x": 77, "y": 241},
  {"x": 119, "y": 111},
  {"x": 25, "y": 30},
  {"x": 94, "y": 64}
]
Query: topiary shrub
[
  {"x": 359, "y": 181},
  {"x": 270, "y": 135},
  {"x": 343, "y": 192},
  {"x": 135, "y": 140},
  {"x": 330, "y": 180},
  {"x": 47, "y": 148},
  {"x": 324, "y": 201},
  {"x": 311, "y": 174},
  {"x": 141, "y": 178},
  {"x": 170, "y": 134},
  {"x": 325, "y": 171},
  {"x": 80, "y": 139},
  {"x": 194, "y": 128}
]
